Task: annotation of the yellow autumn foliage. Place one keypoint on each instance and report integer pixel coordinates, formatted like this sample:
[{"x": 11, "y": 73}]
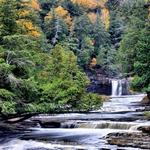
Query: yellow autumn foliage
[
  {"x": 93, "y": 63},
  {"x": 91, "y": 4},
  {"x": 147, "y": 1},
  {"x": 31, "y": 3},
  {"x": 86, "y": 3},
  {"x": 29, "y": 27},
  {"x": 23, "y": 13},
  {"x": 105, "y": 17},
  {"x": 61, "y": 12},
  {"x": 25, "y": 24}
]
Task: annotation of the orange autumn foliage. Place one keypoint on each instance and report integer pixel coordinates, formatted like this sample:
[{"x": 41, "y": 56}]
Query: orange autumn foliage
[{"x": 93, "y": 63}]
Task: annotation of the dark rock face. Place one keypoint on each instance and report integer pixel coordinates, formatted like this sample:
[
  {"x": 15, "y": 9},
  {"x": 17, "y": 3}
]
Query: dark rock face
[
  {"x": 50, "y": 124},
  {"x": 100, "y": 81},
  {"x": 136, "y": 140},
  {"x": 145, "y": 129},
  {"x": 125, "y": 87},
  {"x": 100, "y": 86}
]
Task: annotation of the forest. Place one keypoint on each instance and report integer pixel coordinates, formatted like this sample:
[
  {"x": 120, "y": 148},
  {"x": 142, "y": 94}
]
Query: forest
[{"x": 46, "y": 45}]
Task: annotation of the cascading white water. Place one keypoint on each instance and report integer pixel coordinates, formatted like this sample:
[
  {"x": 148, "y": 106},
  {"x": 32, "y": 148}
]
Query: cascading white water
[
  {"x": 116, "y": 87},
  {"x": 120, "y": 88},
  {"x": 90, "y": 130}
]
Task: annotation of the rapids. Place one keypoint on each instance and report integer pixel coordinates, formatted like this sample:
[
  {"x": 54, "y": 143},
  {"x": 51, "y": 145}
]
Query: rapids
[{"x": 85, "y": 130}]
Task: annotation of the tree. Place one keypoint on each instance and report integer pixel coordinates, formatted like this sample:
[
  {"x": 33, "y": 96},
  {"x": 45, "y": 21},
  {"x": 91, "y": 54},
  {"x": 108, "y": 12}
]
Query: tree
[
  {"x": 17, "y": 53},
  {"x": 134, "y": 49},
  {"x": 82, "y": 30},
  {"x": 73, "y": 8},
  {"x": 66, "y": 84},
  {"x": 117, "y": 25},
  {"x": 142, "y": 62},
  {"x": 99, "y": 35},
  {"x": 55, "y": 28},
  {"x": 8, "y": 17},
  {"x": 32, "y": 80}
]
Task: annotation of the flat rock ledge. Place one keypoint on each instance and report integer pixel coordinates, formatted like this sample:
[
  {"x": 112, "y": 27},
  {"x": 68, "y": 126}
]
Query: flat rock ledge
[{"x": 135, "y": 140}]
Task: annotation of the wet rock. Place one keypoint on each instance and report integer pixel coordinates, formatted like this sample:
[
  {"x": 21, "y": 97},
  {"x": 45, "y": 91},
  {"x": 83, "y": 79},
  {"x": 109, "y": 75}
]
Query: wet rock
[
  {"x": 100, "y": 85},
  {"x": 7, "y": 129},
  {"x": 99, "y": 81},
  {"x": 50, "y": 124},
  {"x": 145, "y": 100},
  {"x": 136, "y": 140},
  {"x": 145, "y": 129},
  {"x": 125, "y": 87}
]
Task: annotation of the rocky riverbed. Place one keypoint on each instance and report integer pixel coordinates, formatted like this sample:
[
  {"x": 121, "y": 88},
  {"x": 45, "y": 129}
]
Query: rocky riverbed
[
  {"x": 119, "y": 124},
  {"x": 136, "y": 140}
]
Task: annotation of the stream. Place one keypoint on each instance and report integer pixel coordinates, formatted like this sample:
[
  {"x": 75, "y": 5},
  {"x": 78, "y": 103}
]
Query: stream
[{"x": 120, "y": 114}]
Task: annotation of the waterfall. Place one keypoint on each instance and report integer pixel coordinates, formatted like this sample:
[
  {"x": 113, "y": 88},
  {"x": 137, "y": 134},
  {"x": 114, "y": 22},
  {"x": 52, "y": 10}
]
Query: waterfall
[{"x": 116, "y": 87}]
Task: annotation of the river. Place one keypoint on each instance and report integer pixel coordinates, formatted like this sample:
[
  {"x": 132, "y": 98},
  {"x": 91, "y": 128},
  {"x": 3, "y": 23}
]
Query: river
[{"x": 83, "y": 131}]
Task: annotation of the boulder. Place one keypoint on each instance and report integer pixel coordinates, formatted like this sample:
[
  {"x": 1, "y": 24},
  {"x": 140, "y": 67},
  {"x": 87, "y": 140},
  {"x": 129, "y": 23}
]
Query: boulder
[
  {"x": 135, "y": 140},
  {"x": 51, "y": 124},
  {"x": 145, "y": 100},
  {"x": 145, "y": 129}
]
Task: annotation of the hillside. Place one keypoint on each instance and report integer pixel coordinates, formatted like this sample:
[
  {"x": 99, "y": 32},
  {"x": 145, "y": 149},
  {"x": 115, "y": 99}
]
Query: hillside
[{"x": 46, "y": 45}]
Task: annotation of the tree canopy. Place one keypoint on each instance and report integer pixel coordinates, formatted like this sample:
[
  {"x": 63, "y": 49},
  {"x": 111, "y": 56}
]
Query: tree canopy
[{"x": 45, "y": 45}]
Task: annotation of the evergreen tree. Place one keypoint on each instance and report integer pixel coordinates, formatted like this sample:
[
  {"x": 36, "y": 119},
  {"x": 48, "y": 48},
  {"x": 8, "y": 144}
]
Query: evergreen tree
[
  {"x": 8, "y": 18},
  {"x": 133, "y": 52},
  {"x": 99, "y": 35},
  {"x": 55, "y": 28},
  {"x": 33, "y": 79}
]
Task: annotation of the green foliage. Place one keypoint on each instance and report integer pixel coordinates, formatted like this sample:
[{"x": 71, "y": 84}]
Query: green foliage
[
  {"x": 6, "y": 101},
  {"x": 106, "y": 58},
  {"x": 142, "y": 62},
  {"x": 37, "y": 76},
  {"x": 90, "y": 102},
  {"x": 8, "y": 107},
  {"x": 6, "y": 95},
  {"x": 8, "y": 17},
  {"x": 134, "y": 50},
  {"x": 100, "y": 36},
  {"x": 55, "y": 29},
  {"x": 73, "y": 8},
  {"x": 68, "y": 85}
]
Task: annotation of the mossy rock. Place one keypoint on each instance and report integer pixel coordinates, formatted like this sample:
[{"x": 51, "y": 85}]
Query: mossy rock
[{"x": 147, "y": 115}]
